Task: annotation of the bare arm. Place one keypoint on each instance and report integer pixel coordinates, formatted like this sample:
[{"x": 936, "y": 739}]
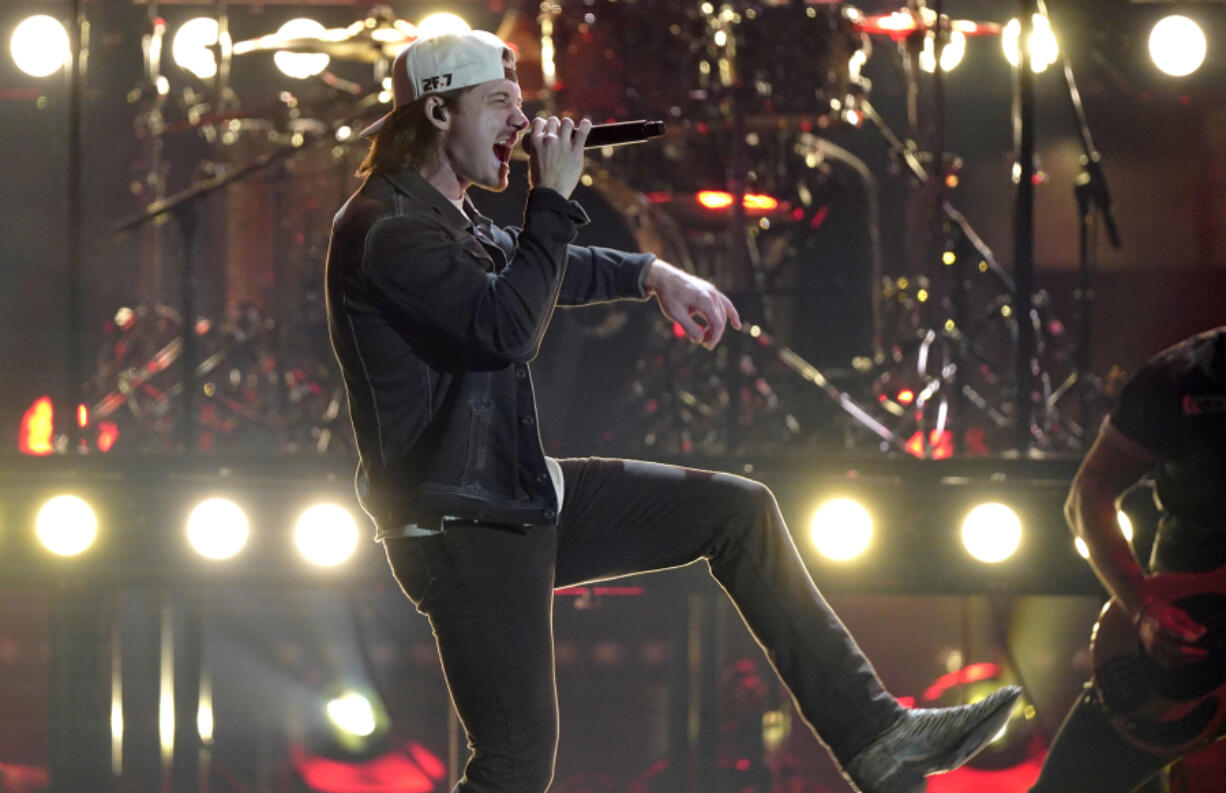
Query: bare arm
[
  {"x": 1105, "y": 474},
  {"x": 1109, "y": 469}
]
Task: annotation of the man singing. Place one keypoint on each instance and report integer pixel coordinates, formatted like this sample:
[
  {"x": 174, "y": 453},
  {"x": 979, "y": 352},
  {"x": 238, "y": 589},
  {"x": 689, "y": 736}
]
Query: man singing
[{"x": 435, "y": 314}]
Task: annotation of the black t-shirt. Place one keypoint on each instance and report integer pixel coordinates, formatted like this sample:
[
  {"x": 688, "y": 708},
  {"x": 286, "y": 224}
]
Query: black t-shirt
[{"x": 1174, "y": 409}]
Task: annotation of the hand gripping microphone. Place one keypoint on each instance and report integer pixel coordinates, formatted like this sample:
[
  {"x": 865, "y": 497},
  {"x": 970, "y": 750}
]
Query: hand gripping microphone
[{"x": 622, "y": 133}]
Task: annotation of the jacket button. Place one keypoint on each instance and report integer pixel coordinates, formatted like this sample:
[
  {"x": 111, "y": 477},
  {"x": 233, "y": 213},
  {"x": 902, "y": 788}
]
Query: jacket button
[
  {"x": 542, "y": 478},
  {"x": 520, "y": 373},
  {"x": 548, "y": 514},
  {"x": 528, "y": 421}
]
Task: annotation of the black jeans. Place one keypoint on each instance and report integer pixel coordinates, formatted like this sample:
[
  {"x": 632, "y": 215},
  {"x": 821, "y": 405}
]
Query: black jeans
[
  {"x": 1089, "y": 756},
  {"x": 488, "y": 592}
]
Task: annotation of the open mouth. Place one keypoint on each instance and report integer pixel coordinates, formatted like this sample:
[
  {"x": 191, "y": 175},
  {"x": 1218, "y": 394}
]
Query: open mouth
[{"x": 503, "y": 151}]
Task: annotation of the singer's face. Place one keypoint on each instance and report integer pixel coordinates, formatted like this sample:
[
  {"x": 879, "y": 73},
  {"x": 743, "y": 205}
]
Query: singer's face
[{"x": 484, "y": 129}]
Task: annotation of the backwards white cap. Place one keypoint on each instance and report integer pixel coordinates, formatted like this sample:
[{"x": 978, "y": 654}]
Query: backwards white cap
[{"x": 443, "y": 63}]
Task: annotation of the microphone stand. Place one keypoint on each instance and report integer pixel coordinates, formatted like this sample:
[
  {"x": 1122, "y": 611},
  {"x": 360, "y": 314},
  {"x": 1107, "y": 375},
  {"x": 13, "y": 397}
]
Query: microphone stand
[
  {"x": 77, "y": 28},
  {"x": 1023, "y": 234},
  {"x": 1093, "y": 200},
  {"x": 959, "y": 343}
]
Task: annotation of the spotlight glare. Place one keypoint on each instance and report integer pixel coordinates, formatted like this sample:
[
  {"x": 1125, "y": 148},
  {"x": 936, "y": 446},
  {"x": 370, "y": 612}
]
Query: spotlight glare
[
  {"x": 951, "y": 55},
  {"x": 1177, "y": 45},
  {"x": 352, "y": 713},
  {"x": 326, "y": 535},
  {"x": 991, "y": 532},
  {"x": 40, "y": 45},
  {"x": 204, "y": 712},
  {"x": 1043, "y": 47},
  {"x": 301, "y": 65},
  {"x": 191, "y": 45},
  {"x": 714, "y": 199},
  {"x": 841, "y": 529},
  {"x": 217, "y": 528},
  {"x": 66, "y": 525},
  {"x": 437, "y": 24}
]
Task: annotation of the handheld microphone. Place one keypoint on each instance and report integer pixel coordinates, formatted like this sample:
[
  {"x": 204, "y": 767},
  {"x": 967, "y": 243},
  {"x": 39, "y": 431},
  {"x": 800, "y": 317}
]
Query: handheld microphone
[{"x": 622, "y": 133}]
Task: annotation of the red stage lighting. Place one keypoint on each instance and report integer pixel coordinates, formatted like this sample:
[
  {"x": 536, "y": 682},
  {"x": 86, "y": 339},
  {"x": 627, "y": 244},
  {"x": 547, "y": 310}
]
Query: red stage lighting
[{"x": 37, "y": 428}]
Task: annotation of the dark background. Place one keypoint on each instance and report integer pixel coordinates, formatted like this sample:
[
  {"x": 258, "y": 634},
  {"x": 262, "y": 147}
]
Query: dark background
[
  {"x": 1163, "y": 143},
  {"x": 1161, "y": 140}
]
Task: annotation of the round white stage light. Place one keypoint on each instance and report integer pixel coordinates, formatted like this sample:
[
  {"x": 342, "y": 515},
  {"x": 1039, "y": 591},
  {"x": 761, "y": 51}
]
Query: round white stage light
[
  {"x": 991, "y": 532},
  {"x": 1177, "y": 45},
  {"x": 217, "y": 528},
  {"x": 841, "y": 529},
  {"x": 66, "y": 525},
  {"x": 39, "y": 45}
]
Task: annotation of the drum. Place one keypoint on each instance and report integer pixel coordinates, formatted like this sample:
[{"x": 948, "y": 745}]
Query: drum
[
  {"x": 795, "y": 58},
  {"x": 278, "y": 219},
  {"x": 622, "y": 59}
]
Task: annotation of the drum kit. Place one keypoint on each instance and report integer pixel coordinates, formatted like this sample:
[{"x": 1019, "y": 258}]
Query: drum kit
[{"x": 741, "y": 190}]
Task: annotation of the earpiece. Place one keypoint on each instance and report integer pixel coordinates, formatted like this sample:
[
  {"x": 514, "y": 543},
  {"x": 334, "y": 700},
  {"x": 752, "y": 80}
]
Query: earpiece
[{"x": 439, "y": 114}]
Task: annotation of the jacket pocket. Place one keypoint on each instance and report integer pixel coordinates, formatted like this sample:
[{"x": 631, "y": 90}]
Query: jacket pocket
[{"x": 477, "y": 453}]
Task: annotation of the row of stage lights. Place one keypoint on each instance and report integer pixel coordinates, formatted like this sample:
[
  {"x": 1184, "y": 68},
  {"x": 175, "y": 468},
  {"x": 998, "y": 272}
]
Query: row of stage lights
[
  {"x": 40, "y": 44},
  {"x": 326, "y": 534},
  {"x": 842, "y": 529}
]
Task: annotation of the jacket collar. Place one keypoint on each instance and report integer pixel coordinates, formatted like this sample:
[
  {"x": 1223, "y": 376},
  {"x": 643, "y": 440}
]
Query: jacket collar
[{"x": 410, "y": 182}]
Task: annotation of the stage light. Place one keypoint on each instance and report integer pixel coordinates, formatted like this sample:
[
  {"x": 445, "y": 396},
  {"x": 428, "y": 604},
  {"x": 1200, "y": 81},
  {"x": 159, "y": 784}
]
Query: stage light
[
  {"x": 36, "y": 435},
  {"x": 841, "y": 529},
  {"x": 401, "y": 32},
  {"x": 217, "y": 528},
  {"x": 66, "y": 525},
  {"x": 166, "y": 688},
  {"x": 1043, "y": 47},
  {"x": 951, "y": 55},
  {"x": 721, "y": 199},
  {"x": 1125, "y": 525},
  {"x": 940, "y": 444},
  {"x": 326, "y": 535},
  {"x": 1177, "y": 45},
  {"x": 715, "y": 199},
  {"x": 759, "y": 201},
  {"x": 191, "y": 45},
  {"x": 352, "y": 714},
  {"x": 116, "y": 708},
  {"x": 438, "y": 24},
  {"x": 301, "y": 65},
  {"x": 991, "y": 532},
  {"x": 40, "y": 45},
  {"x": 205, "y": 722}
]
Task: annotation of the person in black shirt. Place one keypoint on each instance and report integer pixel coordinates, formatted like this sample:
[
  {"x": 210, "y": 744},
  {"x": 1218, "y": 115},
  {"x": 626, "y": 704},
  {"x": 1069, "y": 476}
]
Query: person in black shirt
[
  {"x": 1170, "y": 422},
  {"x": 435, "y": 315}
]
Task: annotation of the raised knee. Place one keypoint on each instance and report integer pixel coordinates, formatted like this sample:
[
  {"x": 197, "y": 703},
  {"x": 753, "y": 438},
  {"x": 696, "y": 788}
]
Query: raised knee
[{"x": 755, "y": 497}]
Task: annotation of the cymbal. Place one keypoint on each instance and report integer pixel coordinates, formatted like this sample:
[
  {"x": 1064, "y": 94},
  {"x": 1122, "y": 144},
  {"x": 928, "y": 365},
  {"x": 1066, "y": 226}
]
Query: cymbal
[
  {"x": 365, "y": 41},
  {"x": 902, "y": 23}
]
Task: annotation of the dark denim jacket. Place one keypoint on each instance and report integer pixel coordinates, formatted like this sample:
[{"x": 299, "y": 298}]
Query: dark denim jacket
[{"x": 434, "y": 330}]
